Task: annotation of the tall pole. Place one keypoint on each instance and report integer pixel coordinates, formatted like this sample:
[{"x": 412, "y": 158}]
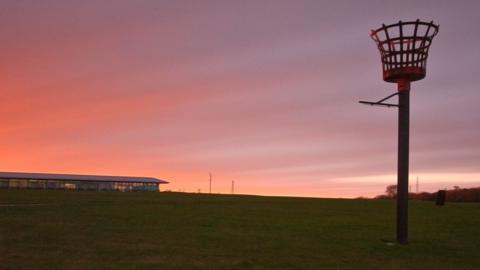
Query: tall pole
[
  {"x": 233, "y": 187},
  {"x": 210, "y": 189},
  {"x": 402, "y": 166},
  {"x": 404, "y": 60}
]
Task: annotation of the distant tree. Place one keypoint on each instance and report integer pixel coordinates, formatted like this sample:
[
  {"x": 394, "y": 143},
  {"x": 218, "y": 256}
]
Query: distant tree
[{"x": 391, "y": 191}]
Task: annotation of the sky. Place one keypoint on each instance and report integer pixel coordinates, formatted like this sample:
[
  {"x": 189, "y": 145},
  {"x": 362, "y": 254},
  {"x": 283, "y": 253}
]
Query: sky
[{"x": 263, "y": 93}]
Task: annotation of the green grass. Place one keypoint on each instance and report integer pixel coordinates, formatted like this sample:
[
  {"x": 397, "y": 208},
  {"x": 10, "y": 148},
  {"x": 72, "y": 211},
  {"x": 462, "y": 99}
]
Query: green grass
[{"x": 111, "y": 230}]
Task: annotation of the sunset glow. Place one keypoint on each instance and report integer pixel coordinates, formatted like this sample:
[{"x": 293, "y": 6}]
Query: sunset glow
[{"x": 262, "y": 93}]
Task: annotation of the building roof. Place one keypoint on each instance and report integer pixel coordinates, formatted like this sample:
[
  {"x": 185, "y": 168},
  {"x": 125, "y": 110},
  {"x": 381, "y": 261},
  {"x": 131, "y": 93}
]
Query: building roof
[{"x": 79, "y": 177}]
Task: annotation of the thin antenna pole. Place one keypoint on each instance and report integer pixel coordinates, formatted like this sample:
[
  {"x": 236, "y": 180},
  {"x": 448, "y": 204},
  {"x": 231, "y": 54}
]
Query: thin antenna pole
[
  {"x": 210, "y": 189},
  {"x": 417, "y": 184},
  {"x": 233, "y": 187}
]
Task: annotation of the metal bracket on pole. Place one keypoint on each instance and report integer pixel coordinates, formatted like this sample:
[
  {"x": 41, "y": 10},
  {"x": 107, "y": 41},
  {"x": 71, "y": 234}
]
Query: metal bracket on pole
[{"x": 380, "y": 102}]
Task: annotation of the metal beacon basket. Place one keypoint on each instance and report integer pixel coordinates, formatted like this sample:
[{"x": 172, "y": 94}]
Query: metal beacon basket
[{"x": 404, "y": 50}]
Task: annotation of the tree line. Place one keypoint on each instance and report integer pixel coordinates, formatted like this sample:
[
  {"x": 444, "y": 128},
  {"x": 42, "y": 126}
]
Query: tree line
[{"x": 456, "y": 194}]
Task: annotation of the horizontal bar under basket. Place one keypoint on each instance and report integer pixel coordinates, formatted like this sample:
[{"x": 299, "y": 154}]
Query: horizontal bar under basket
[{"x": 380, "y": 102}]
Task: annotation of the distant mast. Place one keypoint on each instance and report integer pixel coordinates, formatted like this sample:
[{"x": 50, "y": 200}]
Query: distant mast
[
  {"x": 417, "y": 185},
  {"x": 210, "y": 188}
]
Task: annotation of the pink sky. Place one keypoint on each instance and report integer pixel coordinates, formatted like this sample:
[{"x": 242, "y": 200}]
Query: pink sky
[{"x": 261, "y": 92}]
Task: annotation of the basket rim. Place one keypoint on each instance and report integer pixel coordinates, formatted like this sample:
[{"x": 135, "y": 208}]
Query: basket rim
[{"x": 401, "y": 24}]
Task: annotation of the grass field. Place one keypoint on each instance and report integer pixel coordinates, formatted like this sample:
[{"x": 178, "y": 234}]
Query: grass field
[{"x": 112, "y": 230}]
